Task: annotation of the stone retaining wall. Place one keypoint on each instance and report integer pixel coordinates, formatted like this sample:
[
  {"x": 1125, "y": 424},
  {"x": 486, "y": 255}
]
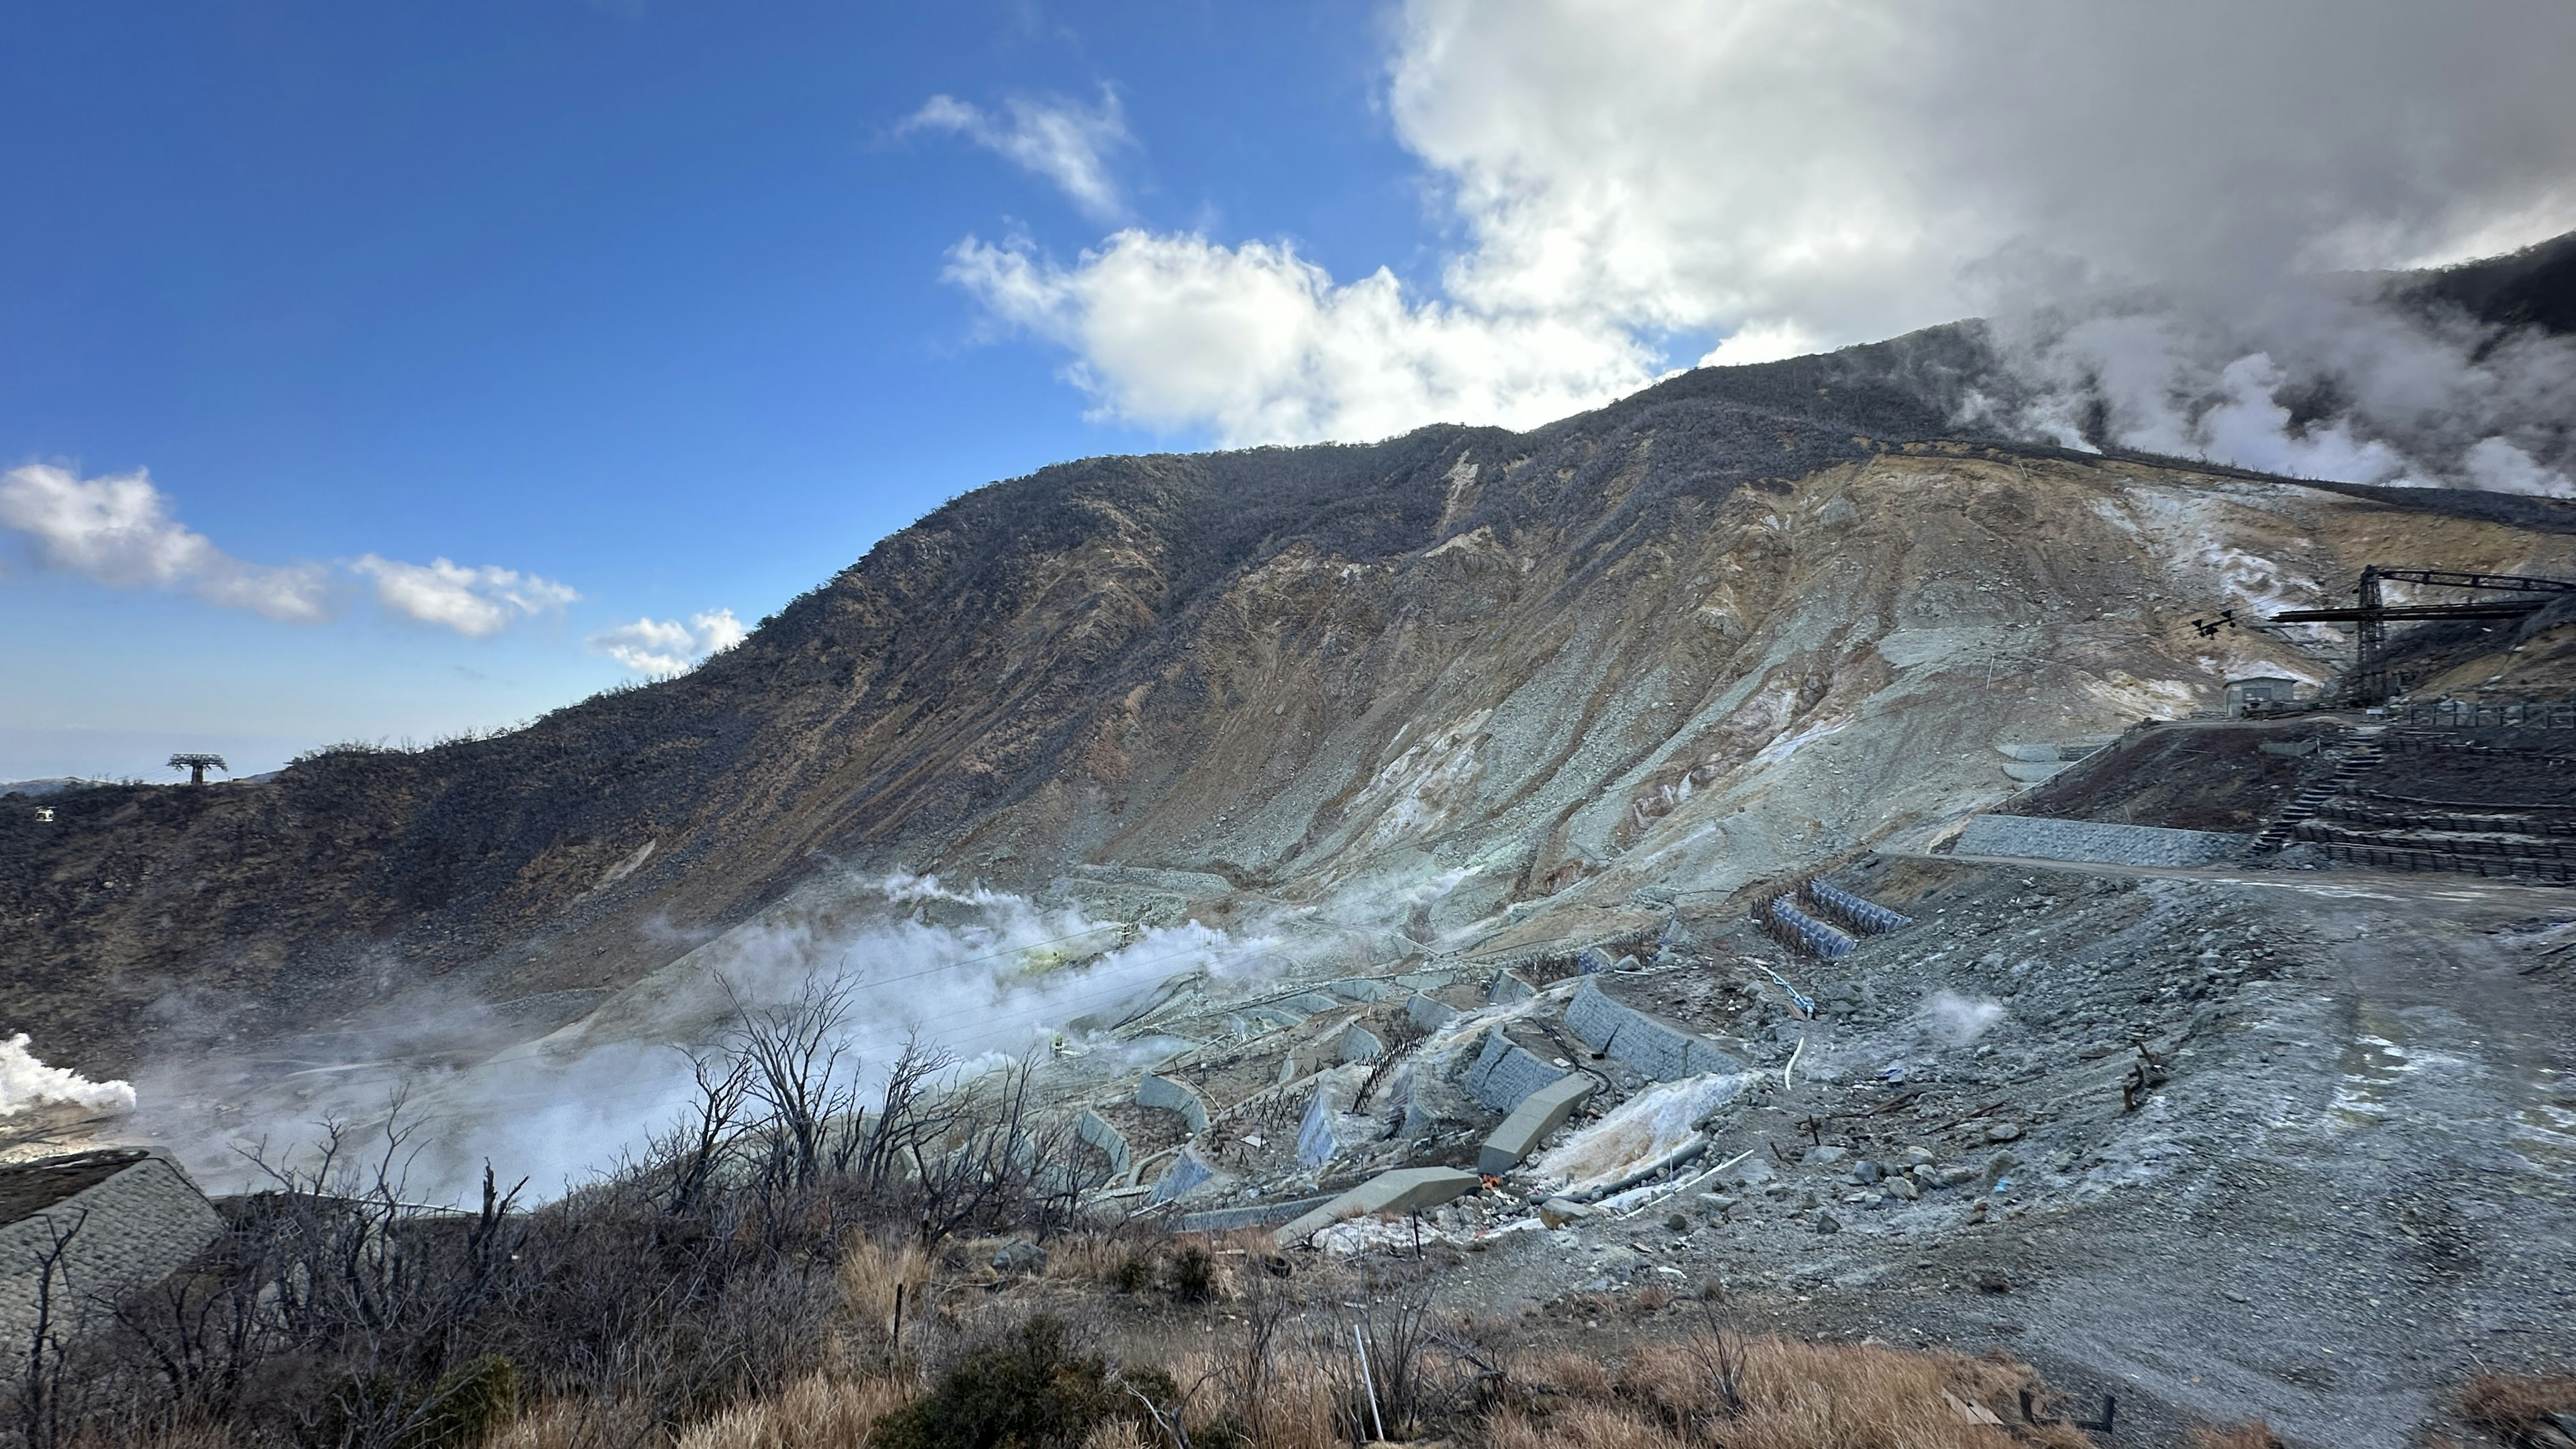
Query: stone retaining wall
[
  {"x": 119, "y": 1236},
  {"x": 1658, "y": 1049},
  {"x": 2035, "y": 838}
]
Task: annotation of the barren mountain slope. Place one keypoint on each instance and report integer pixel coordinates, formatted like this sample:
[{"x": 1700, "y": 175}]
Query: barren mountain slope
[{"x": 1677, "y": 645}]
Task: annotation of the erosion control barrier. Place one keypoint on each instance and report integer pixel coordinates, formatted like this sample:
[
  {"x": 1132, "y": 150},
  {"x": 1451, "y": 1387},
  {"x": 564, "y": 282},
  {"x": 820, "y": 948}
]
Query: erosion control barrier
[
  {"x": 1540, "y": 1113},
  {"x": 1097, "y": 1130},
  {"x": 1505, "y": 1073},
  {"x": 2030, "y": 837},
  {"x": 1172, "y": 1096},
  {"x": 1188, "y": 1171},
  {"x": 1867, "y": 914},
  {"x": 2545, "y": 714},
  {"x": 1359, "y": 1044},
  {"x": 1658, "y": 1049},
  {"x": 1429, "y": 1012},
  {"x": 1250, "y": 1215},
  {"x": 1407, "y": 1189},
  {"x": 1810, "y": 933}
]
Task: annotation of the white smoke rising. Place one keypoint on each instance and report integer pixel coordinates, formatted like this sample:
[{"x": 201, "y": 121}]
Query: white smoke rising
[
  {"x": 1958, "y": 1020},
  {"x": 988, "y": 976},
  {"x": 2316, "y": 378},
  {"x": 27, "y": 1083}
]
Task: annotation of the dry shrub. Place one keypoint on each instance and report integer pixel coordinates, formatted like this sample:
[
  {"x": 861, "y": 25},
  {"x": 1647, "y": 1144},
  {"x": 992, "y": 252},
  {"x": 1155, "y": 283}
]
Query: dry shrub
[
  {"x": 2512, "y": 1405},
  {"x": 815, "y": 1412},
  {"x": 2257, "y": 1435},
  {"x": 1118, "y": 1434},
  {"x": 871, "y": 1270},
  {"x": 572, "y": 1423},
  {"x": 1577, "y": 1375},
  {"x": 1772, "y": 1393},
  {"x": 1088, "y": 1257},
  {"x": 191, "y": 1435},
  {"x": 1580, "y": 1426},
  {"x": 1649, "y": 1299},
  {"x": 1286, "y": 1398}
]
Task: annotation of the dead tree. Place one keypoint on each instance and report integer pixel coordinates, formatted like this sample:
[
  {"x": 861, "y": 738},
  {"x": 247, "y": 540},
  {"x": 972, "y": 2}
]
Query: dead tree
[{"x": 198, "y": 765}]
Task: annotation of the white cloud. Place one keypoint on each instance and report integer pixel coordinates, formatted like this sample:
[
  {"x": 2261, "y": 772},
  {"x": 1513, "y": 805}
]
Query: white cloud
[
  {"x": 1062, "y": 142},
  {"x": 1259, "y": 343},
  {"x": 1779, "y": 176},
  {"x": 657, "y": 646},
  {"x": 117, "y": 530},
  {"x": 473, "y": 601}
]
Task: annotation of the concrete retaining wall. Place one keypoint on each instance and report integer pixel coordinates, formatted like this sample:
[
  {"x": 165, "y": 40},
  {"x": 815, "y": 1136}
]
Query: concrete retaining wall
[
  {"x": 1407, "y": 1189},
  {"x": 1504, "y": 1073},
  {"x": 1658, "y": 1049},
  {"x": 1187, "y": 1173},
  {"x": 1172, "y": 1096},
  {"x": 1429, "y": 1012},
  {"x": 1250, "y": 1215},
  {"x": 1540, "y": 1113},
  {"x": 1095, "y": 1129},
  {"x": 1359, "y": 1044},
  {"x": 2034, "y": 838}
]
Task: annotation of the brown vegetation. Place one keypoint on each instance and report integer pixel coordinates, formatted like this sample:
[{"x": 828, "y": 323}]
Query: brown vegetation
[{"x": 2518, "y": 1407}]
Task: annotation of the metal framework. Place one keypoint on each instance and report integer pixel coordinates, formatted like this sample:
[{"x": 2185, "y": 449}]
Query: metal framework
[
  {"x": 198, "y": 765},
  {"x": 2371, "y": 681}
]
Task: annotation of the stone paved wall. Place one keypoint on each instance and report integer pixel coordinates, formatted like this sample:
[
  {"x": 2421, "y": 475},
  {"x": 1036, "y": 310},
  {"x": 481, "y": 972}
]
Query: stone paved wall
[
  {"x": 1503, "y": 1073},
  {"x": 1660, "y": 1050},
  {"x": 125, "y": 1234},
  {"x": 2035, "y": 838}
]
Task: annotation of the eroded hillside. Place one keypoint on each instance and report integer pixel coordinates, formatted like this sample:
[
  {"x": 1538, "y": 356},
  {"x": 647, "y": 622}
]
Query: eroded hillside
[{"x": 1671, "y": 648}]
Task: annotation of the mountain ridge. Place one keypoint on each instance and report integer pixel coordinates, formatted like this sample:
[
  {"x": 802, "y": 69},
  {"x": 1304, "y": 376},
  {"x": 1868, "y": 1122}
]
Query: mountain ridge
[{"x": 1039, "y": 672}]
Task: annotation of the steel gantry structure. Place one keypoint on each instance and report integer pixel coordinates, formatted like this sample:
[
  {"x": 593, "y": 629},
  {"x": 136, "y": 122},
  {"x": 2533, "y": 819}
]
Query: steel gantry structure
[{"x": 2371, "y": 681}]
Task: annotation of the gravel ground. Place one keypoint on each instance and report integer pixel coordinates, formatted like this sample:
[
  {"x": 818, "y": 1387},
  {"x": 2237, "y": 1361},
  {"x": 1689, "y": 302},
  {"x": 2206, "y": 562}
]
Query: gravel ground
[{"x": 2340, "y": 1192}]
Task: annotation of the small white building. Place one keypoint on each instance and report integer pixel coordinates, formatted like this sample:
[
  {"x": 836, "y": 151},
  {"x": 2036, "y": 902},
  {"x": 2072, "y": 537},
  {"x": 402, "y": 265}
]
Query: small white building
[{"x": 2260, "y": 690}]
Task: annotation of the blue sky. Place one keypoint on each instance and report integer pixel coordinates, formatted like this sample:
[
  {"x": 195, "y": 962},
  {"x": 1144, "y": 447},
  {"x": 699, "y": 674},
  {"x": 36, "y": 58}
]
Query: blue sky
[
  {"x": 644, "y": 300},
  {"x": 455, "y": 338}
]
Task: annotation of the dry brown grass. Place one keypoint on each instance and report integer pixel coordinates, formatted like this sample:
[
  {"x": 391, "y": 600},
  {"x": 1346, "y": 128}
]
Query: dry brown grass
[
  {"x": 1787, "y": 1395},
  {"x": 870, "y": 1270},
  {"x": 818, "y": 1411},
  {"x": 1118, "y": 1434},
  {"x": 185, "y": 1436},
  {"x": 2513, "y": 1405},
  {"x": 1284, "y": 1404}
]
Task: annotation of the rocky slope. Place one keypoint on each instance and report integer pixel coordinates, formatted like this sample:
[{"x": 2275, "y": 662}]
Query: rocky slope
[{"x": 1688, "y": 642}]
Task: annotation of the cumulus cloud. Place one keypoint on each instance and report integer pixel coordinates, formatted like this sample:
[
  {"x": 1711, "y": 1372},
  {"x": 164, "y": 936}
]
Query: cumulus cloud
[
  {"x": 1639, "y": 182},
  {"x": 1259, "y": 343},
  {"x": 116, "y": 529},
  {"x": 474, "y": 601},
  {"x": 669, "y": 646},
  {"x": 1060, "y": 141}
]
